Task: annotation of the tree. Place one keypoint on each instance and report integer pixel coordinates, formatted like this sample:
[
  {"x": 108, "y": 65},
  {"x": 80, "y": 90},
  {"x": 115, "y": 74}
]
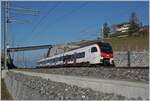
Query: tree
[
  {"x": 134, "y": 24},
  {"x": 106, "y": 30},
  {"x": 113, "y": 27}
]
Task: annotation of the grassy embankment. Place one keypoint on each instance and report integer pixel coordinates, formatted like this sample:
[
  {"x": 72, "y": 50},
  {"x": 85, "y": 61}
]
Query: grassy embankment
[
  {"x": 138, "y": 43},
  {"x": 4, "y": 92}
]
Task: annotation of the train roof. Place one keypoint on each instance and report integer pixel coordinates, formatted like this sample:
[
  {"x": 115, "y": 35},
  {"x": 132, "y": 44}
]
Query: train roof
[
  {"x": 87, "y": 44},
  {"x": 81, "y": 45}
]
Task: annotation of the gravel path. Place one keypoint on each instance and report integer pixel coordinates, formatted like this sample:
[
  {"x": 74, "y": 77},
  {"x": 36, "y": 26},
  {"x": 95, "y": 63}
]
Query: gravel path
[
  {"x": 61, "y": 91},
  {"x": 104, "y": 73}
]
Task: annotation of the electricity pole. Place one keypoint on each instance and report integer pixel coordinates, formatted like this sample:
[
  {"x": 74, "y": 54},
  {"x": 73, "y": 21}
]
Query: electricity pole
[
  {"x": 102, "y": 33},
  {"x": 5, "y": 33},
  {"x": 13, "y": 39},
  {"x": 7, "y": 20}
]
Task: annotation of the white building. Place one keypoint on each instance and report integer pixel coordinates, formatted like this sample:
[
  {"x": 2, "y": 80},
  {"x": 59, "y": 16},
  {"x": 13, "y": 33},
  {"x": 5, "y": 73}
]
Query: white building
[{"x": 123, "y": 27}]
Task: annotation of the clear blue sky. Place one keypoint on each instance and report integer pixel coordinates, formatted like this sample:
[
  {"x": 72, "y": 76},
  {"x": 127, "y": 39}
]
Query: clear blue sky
[{"x": 60, "y": 22}]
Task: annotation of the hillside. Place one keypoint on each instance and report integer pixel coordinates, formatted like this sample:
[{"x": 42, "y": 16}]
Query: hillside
[{"x": 137, "y": 43}]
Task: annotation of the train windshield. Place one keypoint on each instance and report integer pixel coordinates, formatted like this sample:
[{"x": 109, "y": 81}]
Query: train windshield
[{"x": 105, "y": 47}]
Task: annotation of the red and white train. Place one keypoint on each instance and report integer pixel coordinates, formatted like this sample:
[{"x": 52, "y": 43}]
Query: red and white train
[{"x": 97, "y": 53}]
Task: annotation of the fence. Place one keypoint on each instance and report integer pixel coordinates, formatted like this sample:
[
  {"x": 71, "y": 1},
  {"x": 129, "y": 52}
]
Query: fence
[{"x": 131, "y": 59}]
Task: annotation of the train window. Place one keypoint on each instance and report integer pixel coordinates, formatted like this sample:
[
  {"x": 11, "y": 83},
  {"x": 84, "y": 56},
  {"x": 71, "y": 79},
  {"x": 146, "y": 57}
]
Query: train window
[
  {"x": 105, "y": 47},
  {"x": 69, "y": 57},
  {"x": 43, "y": 62},
  {"x": 80, "y": 55},
  {"x": 83, "y": 54},
  {"x": 57, "y": 59},
  {"x": 93, "y": 49},
  {"x": 53, "y": 60},
  {"x": 61, "y": 58}
]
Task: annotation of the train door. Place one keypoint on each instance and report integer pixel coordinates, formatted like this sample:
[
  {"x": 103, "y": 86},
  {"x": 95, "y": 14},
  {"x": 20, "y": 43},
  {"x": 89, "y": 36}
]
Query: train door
[
  {"x": 74, "y": 59},
  {"x": 93, "y": 55},
  {"x": 65, "y": 60}
]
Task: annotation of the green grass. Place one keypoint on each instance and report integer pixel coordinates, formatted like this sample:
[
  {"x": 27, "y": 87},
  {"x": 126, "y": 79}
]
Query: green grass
[
  {"x": 4, "y": 92},
  {"x": 133, "y": 43}
]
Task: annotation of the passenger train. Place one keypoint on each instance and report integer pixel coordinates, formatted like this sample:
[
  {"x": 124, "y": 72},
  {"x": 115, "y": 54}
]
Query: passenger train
[{"x": 95, "y": 54}]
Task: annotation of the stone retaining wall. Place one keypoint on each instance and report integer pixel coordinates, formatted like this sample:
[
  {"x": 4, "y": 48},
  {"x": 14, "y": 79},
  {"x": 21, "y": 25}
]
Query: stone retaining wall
[
  {"x": 19, "y": 91},
  {"x": 24, "y": 87},
  {"x": 32, "y": 86},
  {"x": 137, "y": 59}
]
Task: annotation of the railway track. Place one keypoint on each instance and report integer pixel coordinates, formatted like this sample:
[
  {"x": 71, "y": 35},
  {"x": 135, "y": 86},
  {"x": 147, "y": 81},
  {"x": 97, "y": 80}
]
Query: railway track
[
  {"x": 92, "y": 66},
  {"x": 129, "y": 74}
]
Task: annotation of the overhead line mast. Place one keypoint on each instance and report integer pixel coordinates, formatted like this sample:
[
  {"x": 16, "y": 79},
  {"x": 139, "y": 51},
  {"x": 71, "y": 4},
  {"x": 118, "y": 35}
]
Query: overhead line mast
[
  {"x": 5, "y": 33},
  {"x": 8, "y": 20}
]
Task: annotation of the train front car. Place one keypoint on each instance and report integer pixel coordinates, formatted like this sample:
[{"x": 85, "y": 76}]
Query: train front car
[
  {"x": 106, "y": 53},
  {"x": 95, "y": 54}
]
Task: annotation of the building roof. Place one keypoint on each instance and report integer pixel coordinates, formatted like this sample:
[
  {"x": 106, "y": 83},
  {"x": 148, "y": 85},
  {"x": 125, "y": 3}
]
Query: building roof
[{"x": 121, "y": 24}]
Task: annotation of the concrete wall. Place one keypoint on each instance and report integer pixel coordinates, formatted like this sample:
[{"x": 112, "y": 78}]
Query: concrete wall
[
  {"x": 19, "y": 91},
  {"x": 137, "y": 59},
  {"x": 125, "y": 88}
]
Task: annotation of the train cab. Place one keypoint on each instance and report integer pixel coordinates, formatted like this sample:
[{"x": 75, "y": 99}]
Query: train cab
[{"x": 106, "y": 53}]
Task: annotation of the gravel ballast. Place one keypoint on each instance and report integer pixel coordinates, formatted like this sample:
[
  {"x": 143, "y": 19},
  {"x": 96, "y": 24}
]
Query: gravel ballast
[
  {"x": 99, "y": 72},
  {"x": 60, "y": 91}
]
